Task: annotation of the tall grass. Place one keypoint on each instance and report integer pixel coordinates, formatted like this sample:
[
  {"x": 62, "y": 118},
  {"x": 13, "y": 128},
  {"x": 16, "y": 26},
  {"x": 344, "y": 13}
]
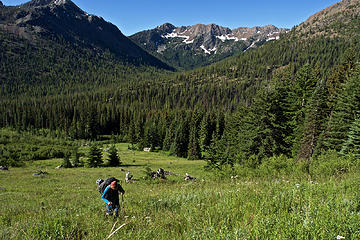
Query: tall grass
[{"x": 64, "y": 204}]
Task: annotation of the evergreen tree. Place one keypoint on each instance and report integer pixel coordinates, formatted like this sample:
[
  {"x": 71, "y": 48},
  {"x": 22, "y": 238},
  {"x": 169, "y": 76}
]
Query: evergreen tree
[
  {"x": 266, "y": 127},
  {"x": 299, "y": 95},
  {"x": 73, "y": 130},
  {"x": 194, "y": 151},
  {"x": 94, "y": 158},
  {"x": 352, "y": 144},
  {"x": 139, "y": 131},
  {"x": 340, "y": 75},
  {"x": 92, "y": 126},
  {"x": 151, "y": 136},
  {"x": 315, "y": 122},
  {"x": 76, "y": 158},
  {"x": 170, "y": 136},
  {"x": 343, "y": 114},
  {"x": 220, "y": 124},
  {"x": 215, "y": 154},
  {"x": 114, "y": 159},
  {"x": 131, "y": 135},
  {"x": 66, "y": 161},
  {"x": 206, "y": 130},
  {"x": 181, "y": 141},
  {"x": 233, "y": 146}
]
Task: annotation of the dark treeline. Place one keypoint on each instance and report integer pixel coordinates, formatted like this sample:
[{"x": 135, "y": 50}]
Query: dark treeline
[{"x": 293, "y": 98}]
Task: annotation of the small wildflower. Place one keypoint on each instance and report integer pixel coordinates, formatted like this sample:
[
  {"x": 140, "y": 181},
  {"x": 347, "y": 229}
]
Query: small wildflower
[
  {"x": 297, "y": 185},
  {"x": 340, "y": 237}
]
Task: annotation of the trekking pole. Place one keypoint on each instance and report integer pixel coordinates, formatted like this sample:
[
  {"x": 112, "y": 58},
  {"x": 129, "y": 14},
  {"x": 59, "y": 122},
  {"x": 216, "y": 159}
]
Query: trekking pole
[{"x": 122, "y": 203}]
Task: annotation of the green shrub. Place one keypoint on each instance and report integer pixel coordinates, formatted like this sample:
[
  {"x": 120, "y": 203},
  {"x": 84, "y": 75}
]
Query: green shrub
[
  {"x": 66, "y": 160},
  {"x": 148, "y": 173},
  {"x": 276, "y": 166},
  {"x": 10, "y": 156},
  {"x": 330, "y": 163},
  {"x": 76, "y": 158}
]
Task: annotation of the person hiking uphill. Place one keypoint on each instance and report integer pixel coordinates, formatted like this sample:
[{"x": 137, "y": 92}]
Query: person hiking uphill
[{"x": 111, "y": 198}]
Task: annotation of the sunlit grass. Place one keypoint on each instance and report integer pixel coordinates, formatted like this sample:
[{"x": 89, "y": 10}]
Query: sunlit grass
[{"x": 65, "y": 204}]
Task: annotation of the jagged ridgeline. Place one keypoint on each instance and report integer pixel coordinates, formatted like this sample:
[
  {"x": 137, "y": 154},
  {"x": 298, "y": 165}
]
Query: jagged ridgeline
[
  {"x": 199, "y": 45},
  {"x": 283, "y": 97}
]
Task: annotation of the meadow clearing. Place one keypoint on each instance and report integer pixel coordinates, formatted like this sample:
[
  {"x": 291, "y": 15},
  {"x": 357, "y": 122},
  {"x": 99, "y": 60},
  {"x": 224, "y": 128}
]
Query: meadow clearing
[{"x": 65, "y": 203}]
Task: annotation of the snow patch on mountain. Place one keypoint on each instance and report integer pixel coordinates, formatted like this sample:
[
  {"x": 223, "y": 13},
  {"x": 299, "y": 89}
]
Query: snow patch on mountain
[
  {"x": 208, "y": 51},
  {"x": 176, "y": 35},
  {"x": 273, "y": 38},
  {"x": 223, "y": 38},
  {"x": 205, "y": 50},
  {"x": 59, "y": 2}
]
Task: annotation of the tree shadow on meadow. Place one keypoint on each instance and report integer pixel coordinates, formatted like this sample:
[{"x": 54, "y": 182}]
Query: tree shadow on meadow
[{"x": 133, "y": 165}]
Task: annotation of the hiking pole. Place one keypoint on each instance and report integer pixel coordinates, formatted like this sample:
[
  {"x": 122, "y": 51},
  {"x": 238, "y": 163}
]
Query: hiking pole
[{"x": 122, "y": 203}]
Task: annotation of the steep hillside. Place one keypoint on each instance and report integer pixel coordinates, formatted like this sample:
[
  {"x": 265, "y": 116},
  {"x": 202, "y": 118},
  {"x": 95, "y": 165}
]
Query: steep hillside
[
  {"x": 339, "y": 20},
  {"x": 322, "y": 39},
  {"x": 61, "y": 22},
  {"x": 199, "y": 45}
]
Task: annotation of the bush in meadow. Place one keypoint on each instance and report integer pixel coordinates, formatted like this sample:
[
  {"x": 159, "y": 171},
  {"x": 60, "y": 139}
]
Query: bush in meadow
[
  {"x": 276, "y": 166},
  {"x": 66, "y": 160},
  {"x": 330, "y": 163}
]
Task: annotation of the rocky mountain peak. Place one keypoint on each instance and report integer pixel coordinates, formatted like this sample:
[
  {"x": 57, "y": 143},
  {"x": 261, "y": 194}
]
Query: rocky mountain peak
[
  {"x": 46, "y": 3},
  {"x": 212, "y": 29},
  {"x": 166, "y": 27},
  {"x": 39, "y": 3}
]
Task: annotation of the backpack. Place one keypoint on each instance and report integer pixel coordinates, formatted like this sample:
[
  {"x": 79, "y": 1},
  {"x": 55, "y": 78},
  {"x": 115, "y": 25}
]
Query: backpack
[{"x": 102, "y": 184}]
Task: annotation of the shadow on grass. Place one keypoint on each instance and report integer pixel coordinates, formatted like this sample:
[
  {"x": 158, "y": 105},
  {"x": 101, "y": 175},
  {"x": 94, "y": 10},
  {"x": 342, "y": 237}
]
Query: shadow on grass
[{"x": 133, "y": 165}]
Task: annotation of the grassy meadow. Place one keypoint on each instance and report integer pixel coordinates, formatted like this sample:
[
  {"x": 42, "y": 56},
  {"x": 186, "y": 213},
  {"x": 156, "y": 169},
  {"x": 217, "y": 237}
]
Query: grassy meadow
[{"x": 65, "y": 204}]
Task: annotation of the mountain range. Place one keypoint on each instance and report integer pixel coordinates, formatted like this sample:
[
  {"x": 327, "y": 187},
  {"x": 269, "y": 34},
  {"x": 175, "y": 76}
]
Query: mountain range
[
  {"x": 62, "y": 26},
  {"x": 166, "y": 46},
  {"x": 188, "y": 47}
]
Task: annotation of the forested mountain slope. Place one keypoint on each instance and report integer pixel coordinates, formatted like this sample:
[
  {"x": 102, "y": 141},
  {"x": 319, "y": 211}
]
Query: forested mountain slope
[{"x": 49, "y": 41}]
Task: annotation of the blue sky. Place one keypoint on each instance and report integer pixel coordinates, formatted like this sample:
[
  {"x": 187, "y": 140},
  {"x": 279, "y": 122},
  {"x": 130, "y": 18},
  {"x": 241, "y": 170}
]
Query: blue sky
[{"x": 132, "y": 16}]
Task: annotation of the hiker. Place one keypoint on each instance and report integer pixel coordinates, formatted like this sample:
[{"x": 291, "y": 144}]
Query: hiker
[{"x": 111, "y": 198}]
